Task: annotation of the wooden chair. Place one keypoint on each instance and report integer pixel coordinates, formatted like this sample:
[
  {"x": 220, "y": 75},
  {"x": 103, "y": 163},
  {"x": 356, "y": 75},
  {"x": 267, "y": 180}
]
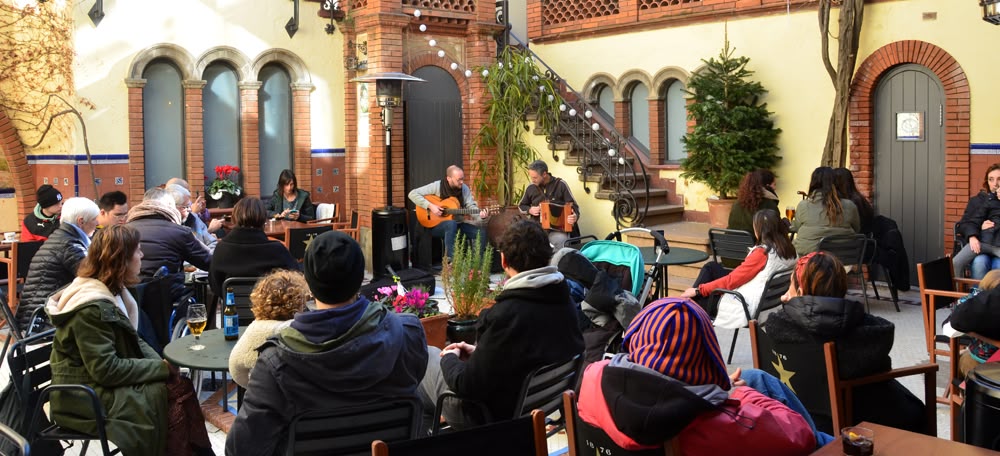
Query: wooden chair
[
  {"x": 729, "y": 247},
  {"x": 350, "y": 227},
  {"x": 21, "y": 254},
  {"x": 585, "y": 440},
  {"x": 938, "y": 288},
  {"x": 520, "y": 436},
  {"x": 811, "y": 371},
  {"x": 954, "y": 394},
  {"x": 770, "y": 298},
  {"x": 297, "y": 239},
  {"x": 850, "y": 250},
  {"x": 351, "y": 430}
]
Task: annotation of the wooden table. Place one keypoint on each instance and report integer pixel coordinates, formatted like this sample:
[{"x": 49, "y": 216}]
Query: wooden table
[
  {"x": 275, "y": 228},
  {"x": 892, "y": 442}
]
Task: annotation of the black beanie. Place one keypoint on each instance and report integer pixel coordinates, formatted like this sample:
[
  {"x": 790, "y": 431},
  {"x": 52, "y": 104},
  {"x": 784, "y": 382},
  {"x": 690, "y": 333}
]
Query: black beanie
[
  {"x": 48, "y": 196},
  {"x": 334, "y": 267}
]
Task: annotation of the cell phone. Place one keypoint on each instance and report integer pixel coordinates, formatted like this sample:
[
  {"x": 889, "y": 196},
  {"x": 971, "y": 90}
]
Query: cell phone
[{"x": 294, "y": 211}]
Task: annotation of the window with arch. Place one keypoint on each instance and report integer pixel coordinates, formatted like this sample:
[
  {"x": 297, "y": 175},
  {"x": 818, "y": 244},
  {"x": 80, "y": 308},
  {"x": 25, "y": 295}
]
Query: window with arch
[
  {"x": 674, "y": 121},
  {"x": 639, "y": 113},
  {"x": 221, "y": 104},
  {"x": 162, "y": 122},
  {"x": 275, "y": 111},
  {"x": 606, "y": 101}
]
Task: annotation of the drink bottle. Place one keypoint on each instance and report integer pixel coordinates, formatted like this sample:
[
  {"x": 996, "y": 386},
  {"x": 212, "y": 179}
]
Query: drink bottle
[{"x": 230, "y": 319}]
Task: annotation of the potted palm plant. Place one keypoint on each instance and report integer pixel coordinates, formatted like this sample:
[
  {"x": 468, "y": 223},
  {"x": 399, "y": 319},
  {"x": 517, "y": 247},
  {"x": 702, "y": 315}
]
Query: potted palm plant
[{"x": 466, "y": 281}]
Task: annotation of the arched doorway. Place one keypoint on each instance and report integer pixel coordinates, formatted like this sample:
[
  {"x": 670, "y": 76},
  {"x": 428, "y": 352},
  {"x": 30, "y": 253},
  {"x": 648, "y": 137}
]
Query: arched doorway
[{"x": 433, "y": 127}]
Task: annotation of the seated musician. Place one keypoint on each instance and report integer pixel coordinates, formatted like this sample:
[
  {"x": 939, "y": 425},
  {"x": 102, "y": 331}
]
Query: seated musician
[
  {"x": 433, "y": 197},
  {"x": 548, "y": 188}
]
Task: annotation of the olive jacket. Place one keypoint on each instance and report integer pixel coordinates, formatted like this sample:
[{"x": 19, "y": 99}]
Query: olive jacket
[{"x": 96, "y": 345}]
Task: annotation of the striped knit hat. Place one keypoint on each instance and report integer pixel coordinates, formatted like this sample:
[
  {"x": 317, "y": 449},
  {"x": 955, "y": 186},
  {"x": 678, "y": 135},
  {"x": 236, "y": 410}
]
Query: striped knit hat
[{"x": 675, "y": 337}]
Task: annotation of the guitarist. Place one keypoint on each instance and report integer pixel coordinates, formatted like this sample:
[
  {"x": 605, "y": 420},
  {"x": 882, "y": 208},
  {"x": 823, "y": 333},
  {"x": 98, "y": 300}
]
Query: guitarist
[
  {"x": 451, "y": 186},
  {"x": 546, "y": 187}
]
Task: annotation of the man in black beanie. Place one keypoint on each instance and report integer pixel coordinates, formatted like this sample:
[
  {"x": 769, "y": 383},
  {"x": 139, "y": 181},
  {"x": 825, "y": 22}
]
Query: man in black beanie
[
  {"x": 40, "y": 223},
  {"x": 347, "y": 352}
]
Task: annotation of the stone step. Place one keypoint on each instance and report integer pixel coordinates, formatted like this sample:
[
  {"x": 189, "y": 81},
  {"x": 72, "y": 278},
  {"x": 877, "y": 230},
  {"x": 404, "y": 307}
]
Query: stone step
[{"x": 655, "y": 194}]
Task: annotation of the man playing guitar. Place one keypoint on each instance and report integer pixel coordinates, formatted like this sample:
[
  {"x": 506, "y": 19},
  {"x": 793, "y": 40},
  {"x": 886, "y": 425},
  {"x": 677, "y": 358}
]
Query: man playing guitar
[{"x": 451, "y": 186}]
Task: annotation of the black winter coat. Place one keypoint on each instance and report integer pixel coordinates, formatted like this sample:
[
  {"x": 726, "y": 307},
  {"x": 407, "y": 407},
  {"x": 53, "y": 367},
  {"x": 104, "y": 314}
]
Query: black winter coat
[
  {"x": 891, "y": 252},
  {"x": 246, "y": 252},
  {"x": 984, "y": 206},
  {"x": 165, "y": 243},
  {"x": 979, "y": 315},
  {"x": 53, "y": 267}
]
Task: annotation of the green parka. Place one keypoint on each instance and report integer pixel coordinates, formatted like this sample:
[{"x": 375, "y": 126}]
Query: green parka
[{"x": 96, "y": 344}]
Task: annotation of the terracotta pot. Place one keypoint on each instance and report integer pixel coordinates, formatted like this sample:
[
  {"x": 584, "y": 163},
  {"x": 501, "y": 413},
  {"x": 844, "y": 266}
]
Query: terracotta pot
[
  {"x": 718, "y": 212},
  {"x": 462, "y": 330},
  {"x": 436, "y": 329}
]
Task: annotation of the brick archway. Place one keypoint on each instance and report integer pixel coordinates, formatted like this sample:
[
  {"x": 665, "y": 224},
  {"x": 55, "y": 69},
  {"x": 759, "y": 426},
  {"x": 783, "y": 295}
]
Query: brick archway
[
  {"x": 24, "y": 180},
  {"x": 956, "y": 119}
]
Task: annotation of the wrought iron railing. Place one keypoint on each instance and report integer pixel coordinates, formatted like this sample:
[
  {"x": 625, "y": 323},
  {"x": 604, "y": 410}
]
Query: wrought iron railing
[{"x": 603, "y": 151}]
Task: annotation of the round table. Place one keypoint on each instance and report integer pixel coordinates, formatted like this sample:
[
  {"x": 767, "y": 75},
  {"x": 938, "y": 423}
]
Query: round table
[
  {"x": 676, "y": 256},
  {"x": 213, "y": 358}
]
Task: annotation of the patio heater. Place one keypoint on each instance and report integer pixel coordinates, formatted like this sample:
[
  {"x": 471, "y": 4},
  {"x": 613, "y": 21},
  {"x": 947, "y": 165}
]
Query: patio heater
[{"x": 389, "y": 234}]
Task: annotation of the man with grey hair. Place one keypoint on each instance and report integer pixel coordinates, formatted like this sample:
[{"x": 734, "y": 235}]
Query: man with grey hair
[
  {"x": 182, "y": 201},
  {"x": 55, "y": 264},
  {"x": 198, "y": 206},
  {"x": 548, "y": 188}
]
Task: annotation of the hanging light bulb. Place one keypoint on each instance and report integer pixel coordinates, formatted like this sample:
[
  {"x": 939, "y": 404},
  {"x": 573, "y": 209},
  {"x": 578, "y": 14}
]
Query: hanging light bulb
[
  {"x": 550, "y": 97},
  {"x": 423, "y": 27},
  {"x": 454, "y": 66},
  {"x": 416, "y": 13},
  {"x": 468, "y": 73},
  {"x": 562, "y": 107},
  {"x": 621, "y": 160},
  {"x": 432, "y": 43},
  {"x": 440, "y": 53},
  {"x": 595, "y": 126},
  {"x": 611, "y": 152},
  {"x": 588, "y": 113},
  {"x": 486, "y": 73},
  {"x": 572, "y": 112}
]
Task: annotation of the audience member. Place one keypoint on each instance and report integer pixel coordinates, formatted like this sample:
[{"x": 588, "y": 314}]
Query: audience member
[
  {"x": 533, "y": 317},
  {"x": 246, "y": 251},
  {"x": 41, "y": 222},
  {"x": 816, "y": 312},
  {"x": 96, "y": 344},
  {"x": 290, "y": 202},
  {"x": 975, "y": 315},
  {"x": 182, "y": 201},
  {"x": 823, "y": 213},
  {"x": 979, "y": 227},
  {"x": 55, "y": 263},
  {"x": 452, "y": 186},
  {"x": 114, "y": 209},
  {"x": 847, "y": 189},
  {"x": 165, "y": 242},
  {"x": 757, "y": 192},
  {"x": 347, "y": 352},
  {"x": 198, "y": 206},
  {"x": 275, "y": 300},
  {"x": 548, "y": 188},
  {"x": 773, "y": 253},
  {"x": 673, "y": 384}
]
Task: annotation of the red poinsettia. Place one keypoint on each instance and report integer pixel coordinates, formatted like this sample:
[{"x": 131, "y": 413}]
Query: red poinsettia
[{"x": 225, "y": 181}]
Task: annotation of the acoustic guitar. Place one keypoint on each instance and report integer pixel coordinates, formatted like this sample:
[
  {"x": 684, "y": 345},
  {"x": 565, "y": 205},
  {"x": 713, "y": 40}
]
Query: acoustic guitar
[
  {"x": 451, "y": 207},
  {"x": 554, "y": 216}
]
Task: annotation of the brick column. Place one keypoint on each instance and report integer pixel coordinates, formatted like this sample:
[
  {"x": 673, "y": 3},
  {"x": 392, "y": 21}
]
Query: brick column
[
  {"x": 657, "y": 131},
  {"x": 302, "y": 133},
  {"x": 250, "y": 137},
  {"x": 194, "y": 132},
  {"x": 136, "y": 141}
]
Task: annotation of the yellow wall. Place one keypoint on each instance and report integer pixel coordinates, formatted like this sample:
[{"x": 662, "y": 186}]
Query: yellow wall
[{"x": 784, "y": 53}]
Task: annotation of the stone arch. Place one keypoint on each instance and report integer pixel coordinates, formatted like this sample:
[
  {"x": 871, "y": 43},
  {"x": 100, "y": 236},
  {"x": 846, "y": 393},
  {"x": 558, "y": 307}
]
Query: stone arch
[
  {"x": 629, "y": 79},
  {"x": 176, "y": 54},
  {"x": 24, "y": 179},
  {"x": 664, "y": 76},
  {"x": 296, "y": 68},
  {"x": 956, "y": 117},
  {"x": 230, "y": 55},
  {"x": 597, "y": 80}
]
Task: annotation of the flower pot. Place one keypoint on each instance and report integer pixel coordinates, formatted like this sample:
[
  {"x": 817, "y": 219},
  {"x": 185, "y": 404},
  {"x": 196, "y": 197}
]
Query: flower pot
[
  {"x": 718, "y": 212},
  {"x": 225, "y": 200},
  {"x": 436, "y": 329},
  {"x": 463, "y": 330}
]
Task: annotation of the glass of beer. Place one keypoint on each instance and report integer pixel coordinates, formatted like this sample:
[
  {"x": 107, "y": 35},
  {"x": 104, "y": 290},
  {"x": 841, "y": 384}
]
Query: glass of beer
[
  {"x": 197, "y": 318},
  {"x": 790, "y": 213}
]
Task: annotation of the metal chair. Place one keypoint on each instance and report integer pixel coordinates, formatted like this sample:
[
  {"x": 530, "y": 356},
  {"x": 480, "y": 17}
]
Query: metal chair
[
  {"x": 242, "y": 287},
  {"x": 730, "y": 246},
  {"x": 297, "y": 239},
  {"x": 584, "y": 439},
  {"x": 31, "y": 375},
  {"x": 817, "y": 383},
  {"x": 21, "y": 254},
  {"x": 850, "y": 250},
  {"x": 520, "y": 436},
  {"x": 351, "y": 430},
  {"x": 770, "y": 298},
  {"x": 871, "y": 252},
  {"x": 11, "y": 437}
]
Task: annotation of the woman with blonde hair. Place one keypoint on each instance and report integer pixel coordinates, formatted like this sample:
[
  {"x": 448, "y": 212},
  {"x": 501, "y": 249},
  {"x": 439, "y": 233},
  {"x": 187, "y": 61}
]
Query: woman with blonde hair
[{"x": 274, "y": 301}]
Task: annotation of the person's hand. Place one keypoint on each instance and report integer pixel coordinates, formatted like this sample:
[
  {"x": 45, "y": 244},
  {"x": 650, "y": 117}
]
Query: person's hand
[
  {"x": 461, "y": 349},
  {"x": 535, "y": 211},
  {"x": 974, "y": 245},
  {"x": 294, "y": 215},
  {"x": 690, "y": 293},
  {"x": 571, "y": 219},
  {"x": 198, "y": 205},
  {"x": 988, "y": 224},
  {"x": 283, "y": 214},
  {"x": 735, "y": 378},
  {"x": 483, "y": 213},
  {"x": 435, "y": 209},
  {"x": 214, "y": 225}
]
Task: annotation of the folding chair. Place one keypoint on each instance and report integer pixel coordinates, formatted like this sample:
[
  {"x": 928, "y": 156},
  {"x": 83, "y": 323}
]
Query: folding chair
[
  {"x": 31, "y": 375},
  {"x": 817, "y": 383},
  {"x": 521, "y": 436},
  {"x": 351, "y": 430},
  {"x": 850, "y": 250},
  {"x": 584, "y": 439},
  {"x": 21, "y": 254},
  {"x": 11, "y": 437},
  {"x": 770, "y": 298},
  {"x": 730, "y": 247},
  {"x": 297, "y": 239}
]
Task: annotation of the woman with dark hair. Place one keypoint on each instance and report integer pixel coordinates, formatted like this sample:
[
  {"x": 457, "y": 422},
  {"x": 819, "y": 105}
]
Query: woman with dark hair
[
  {"x": 979, "y": 227},
  {"x": 816, "y": 312},
  {"x": 756, "y": 193},
  {"x": 96, "y": 344},
  {"x": 823, "y": 213},
  {"x": 847, "y": 189},
  {"x": 774, "y": 252},
  {"x": 290, "y": 202},
  {"x": 246, "y": 251}
]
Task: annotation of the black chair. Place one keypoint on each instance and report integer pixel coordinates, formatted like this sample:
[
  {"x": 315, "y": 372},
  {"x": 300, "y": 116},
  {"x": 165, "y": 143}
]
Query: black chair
[
  {"x": 730, "y": 247},
  {"x": 297, "y": 239},
  {"x": 9, "y": 436},
  {"x": 351, "y": 430},
  {"x": 584, "y": 439},
  {"x": 770, "y": 298},
  {"x": 242, "y": 287},
  {"x": 871, "y": 253},
  {"x": 154, "y": 299},
  {"x": 31, "y": 375},
  {"x": 850, "y": 250},
  {"x": 521, "y": 436}
]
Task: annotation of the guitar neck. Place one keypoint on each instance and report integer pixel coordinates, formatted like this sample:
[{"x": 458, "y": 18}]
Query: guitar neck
[{"x": 461, "y": 211}]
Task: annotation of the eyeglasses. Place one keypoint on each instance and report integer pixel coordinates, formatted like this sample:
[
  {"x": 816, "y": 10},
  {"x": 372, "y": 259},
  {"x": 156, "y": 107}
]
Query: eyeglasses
[
  {"x": 120, "y": 216},
  {"x": 184, "y": 208}
]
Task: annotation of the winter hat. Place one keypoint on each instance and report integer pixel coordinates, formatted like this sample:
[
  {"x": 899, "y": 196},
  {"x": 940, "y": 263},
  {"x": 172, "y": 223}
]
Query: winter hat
[
  {"x": 675, "y": 337},
  {"x": 47, "y": 196},
  {"x": 334, "y": 267}
]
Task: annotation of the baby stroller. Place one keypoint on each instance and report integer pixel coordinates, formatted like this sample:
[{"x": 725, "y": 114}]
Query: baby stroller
[{"x": 617, "y": 284}]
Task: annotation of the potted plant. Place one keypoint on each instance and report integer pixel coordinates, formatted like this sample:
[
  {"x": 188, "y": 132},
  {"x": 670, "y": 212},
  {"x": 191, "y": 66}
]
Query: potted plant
[
  {"x": 733, "y": 132},
  {"x": 416, "y": 301},
  {"x": 466, "y": 282},
  {"x": 224, "y": 191}
]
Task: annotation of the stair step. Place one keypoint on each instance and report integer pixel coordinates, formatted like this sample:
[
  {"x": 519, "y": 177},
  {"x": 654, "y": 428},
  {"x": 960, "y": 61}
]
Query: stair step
[
  {"x": 677, "y": 284},
  {"x": 654, "y": 194},
  {"x": 577, "y": 159}
]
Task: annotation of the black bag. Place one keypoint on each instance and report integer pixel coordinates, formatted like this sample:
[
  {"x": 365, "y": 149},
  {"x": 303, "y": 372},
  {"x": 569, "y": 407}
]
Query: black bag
[{"x": 408, "y": 277}]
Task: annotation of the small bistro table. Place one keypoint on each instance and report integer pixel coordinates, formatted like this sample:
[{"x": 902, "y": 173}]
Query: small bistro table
[
  {"x": 676, "y": 256},
  {"x": 213, "y": 358}
]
